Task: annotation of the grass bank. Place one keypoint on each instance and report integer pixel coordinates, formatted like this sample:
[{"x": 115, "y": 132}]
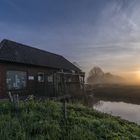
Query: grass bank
[{"x": 49, "y": 120}]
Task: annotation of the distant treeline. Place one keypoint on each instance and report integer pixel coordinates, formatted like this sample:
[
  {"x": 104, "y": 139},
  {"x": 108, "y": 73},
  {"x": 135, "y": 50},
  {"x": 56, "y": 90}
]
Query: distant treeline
[
  {"x": 98, "y": 76},
  {"x": 125, "y": 93}
]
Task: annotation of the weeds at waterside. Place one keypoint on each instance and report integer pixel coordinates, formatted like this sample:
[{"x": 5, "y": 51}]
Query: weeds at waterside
[{"x": 49, "y": 120}]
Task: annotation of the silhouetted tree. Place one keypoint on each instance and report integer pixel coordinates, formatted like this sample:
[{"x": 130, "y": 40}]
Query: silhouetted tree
[{"x": 96, "y": 74}]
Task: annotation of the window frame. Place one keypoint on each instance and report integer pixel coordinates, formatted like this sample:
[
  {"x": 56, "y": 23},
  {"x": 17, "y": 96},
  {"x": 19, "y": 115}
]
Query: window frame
[
  {"x": 42, "y": 80},
  {"x": 14, "y": 88},
  {"x": 50, "y": 78}
]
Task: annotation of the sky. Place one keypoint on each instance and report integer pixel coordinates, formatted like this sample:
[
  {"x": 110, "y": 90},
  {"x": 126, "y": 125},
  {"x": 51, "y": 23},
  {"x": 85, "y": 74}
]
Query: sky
[{"x": 104, "y": 33}]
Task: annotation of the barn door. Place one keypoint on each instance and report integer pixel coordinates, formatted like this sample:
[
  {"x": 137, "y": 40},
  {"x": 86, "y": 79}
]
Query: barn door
[
  {"x": 49, "y": 85},
  {"x": 40, "y": 84}
]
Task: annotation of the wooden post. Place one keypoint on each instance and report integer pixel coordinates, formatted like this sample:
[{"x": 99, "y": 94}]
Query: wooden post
[
  {"x": 64, "y": 109},
  {"x": 10, "y": 96},
  {"x": 16, "y": 103},
  {"x": 14, "y": 100}
]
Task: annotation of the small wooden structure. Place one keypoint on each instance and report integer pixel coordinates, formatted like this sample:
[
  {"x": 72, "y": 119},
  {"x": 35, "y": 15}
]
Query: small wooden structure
[{"x": 25, "y": 70}]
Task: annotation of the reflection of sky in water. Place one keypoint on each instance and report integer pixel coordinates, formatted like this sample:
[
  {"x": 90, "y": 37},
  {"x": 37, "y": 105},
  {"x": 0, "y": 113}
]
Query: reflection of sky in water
[{"x": 125, "y": 110}]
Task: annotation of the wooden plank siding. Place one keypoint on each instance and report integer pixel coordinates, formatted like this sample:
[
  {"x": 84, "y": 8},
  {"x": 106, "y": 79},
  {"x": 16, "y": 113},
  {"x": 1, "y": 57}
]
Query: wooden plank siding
[
  {"x": 59, "y": 86},
  {"x": 27, "y": 70},
  {"x": 2, "y": 81}
]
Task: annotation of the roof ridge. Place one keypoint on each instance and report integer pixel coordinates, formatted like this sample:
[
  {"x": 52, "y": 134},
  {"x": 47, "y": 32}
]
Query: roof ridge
[
  {"x": 21, "y": 53},
  {"x": 2, "y": 42},
  {"x": 23, "y": 45}
]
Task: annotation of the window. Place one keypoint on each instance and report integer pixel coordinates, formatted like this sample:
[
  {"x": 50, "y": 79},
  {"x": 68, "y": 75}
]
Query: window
[
  {"x": 50, "y": 78},
  {"x": 40, "y": 77},
  {"x": 81, "y": 79},
  {"x": 16, "y": 80},
  {"x": 68, "y": 79},
  {"x": 30, "y": 77}
]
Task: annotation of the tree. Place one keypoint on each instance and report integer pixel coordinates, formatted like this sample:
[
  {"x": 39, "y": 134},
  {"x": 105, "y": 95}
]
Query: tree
[{"x": 96, "y": 75}]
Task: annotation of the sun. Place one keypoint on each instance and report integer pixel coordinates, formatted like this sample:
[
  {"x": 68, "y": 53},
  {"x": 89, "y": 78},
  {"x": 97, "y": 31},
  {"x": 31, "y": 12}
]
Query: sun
[{"x": 138, "y": 75}]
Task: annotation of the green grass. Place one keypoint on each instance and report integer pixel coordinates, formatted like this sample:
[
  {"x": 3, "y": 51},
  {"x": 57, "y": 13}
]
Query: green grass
[{"x": 36, "y": 120}]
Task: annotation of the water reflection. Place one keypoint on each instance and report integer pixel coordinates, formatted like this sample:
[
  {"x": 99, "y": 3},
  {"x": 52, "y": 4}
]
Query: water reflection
[
  {"x": 126, "y": 108},
  {"x": 126, "y": 111}
]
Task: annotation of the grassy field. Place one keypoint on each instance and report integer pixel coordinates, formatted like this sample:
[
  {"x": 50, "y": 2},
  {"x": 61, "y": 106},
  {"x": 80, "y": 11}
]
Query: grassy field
[{"x": 48, "y": 120}]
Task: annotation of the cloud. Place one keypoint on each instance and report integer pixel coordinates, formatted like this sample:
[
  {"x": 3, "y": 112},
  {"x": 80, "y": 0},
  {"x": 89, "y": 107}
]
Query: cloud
[
  {"x": 92, "y": 33},
  {"x": 116, "y": 23}
]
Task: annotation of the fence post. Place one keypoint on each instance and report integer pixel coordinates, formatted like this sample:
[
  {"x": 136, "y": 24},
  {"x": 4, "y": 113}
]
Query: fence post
[
  {"x": 64, "y": 110},
  {"x": 15, "y": 101},
  {"x": 10, "y": 95},
  {"x": 64, "y": 123}
]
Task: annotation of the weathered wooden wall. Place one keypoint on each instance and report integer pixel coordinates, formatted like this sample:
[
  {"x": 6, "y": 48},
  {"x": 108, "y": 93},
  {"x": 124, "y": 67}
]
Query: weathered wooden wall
[{"x": 33, "y": 86}]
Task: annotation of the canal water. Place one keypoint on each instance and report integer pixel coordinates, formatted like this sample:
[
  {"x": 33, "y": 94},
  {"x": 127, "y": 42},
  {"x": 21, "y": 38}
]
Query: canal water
[{"x": 128, "y": 111}]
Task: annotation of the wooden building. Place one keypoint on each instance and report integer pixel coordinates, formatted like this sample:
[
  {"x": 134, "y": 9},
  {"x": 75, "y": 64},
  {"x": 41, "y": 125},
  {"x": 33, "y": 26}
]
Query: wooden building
[{"x": 25, "y": 70}]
